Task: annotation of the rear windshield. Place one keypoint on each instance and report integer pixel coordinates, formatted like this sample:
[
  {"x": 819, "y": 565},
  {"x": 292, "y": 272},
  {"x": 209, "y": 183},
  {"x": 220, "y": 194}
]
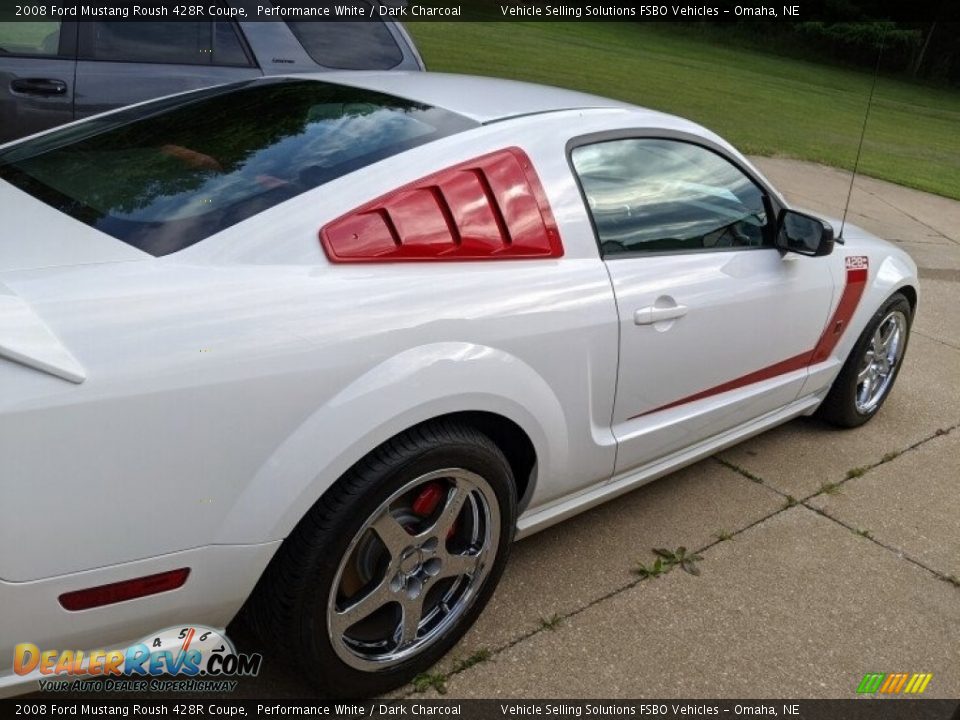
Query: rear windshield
[{"x": 165, "y": 175}]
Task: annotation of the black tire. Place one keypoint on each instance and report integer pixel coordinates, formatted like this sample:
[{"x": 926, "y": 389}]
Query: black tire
[
  {"x": 289, "y": 605},
  {"x": 840, "y": 407}
]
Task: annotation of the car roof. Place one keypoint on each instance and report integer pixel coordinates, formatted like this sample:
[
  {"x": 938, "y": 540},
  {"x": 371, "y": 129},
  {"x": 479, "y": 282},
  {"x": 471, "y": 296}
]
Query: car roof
[{"x": 482, "y": 99}]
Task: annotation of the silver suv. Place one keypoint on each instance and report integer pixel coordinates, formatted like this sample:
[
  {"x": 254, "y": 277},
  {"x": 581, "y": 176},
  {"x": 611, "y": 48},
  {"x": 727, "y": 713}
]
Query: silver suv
[{"x": 53, "y": 72}]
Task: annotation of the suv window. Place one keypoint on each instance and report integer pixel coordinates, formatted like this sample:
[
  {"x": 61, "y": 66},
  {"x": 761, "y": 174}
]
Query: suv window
[
  {"x": 654, "y": 195},
  {"x": 167, "y": 174},
  {"x": 183, "y": 43},
  {"x": 347, "y": 45},
  {"x": 30, "y": 38}
]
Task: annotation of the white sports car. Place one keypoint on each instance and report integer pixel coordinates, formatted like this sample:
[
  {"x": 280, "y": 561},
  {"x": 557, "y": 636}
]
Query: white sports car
[{"x": 322, "y": 346}]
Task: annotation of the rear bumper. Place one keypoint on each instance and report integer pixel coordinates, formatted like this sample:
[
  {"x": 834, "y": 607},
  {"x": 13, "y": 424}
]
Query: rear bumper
[{"x": 221, "y": 578}]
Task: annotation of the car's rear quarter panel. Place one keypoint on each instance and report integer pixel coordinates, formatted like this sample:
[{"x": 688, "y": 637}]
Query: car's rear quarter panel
[{"x": 229, "y": 385}]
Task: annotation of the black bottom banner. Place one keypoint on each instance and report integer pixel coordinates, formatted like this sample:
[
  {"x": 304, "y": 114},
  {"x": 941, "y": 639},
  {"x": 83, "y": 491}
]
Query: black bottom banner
[{"x": 853, "y": 709}]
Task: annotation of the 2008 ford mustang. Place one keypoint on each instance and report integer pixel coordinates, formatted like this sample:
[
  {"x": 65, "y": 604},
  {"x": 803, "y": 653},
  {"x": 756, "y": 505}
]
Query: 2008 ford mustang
[{"x": 322, "y": 347}]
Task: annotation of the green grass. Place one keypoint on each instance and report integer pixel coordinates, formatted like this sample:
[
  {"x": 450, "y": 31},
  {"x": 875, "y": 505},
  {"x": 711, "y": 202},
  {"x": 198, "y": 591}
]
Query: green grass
[{"x": 764, "y": 104}]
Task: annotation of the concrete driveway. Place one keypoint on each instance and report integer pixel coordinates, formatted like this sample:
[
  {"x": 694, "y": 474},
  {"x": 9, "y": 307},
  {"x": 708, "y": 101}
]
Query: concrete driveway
[{"x": 826, "y": 554}]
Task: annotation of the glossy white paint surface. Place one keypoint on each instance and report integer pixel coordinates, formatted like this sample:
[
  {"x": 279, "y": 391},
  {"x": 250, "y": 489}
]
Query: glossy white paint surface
[
  {"x": 27, "y": 340},
  {"x": 227, "y": 386},
  {"x": 736, "y": 302}
]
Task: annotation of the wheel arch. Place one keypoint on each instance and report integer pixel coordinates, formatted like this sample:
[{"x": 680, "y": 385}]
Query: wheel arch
[
  {"x": 513, "y": 441},
  {"x": 895, "y": 272},
  {"x": 507, "y": 435},
  {"x": 487, "y": 389},
  {"x": 910, "y": 292}
]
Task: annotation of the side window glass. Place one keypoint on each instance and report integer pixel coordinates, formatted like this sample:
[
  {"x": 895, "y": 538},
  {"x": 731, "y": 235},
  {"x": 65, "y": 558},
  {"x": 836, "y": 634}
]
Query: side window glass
[
  {"x": 349, "y": 45},
  {"x": 186, "y": 43},
  {"x": 182, "y": 43},
  {"x": 654, "y": 195},
  {"x": 30, "y": 38},
  {"x": 227, "y": 49}
]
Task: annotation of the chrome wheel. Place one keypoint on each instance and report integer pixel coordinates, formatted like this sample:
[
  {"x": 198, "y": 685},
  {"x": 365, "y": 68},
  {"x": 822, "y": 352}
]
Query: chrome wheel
[
  {"x": 413, "y": 569},
  {"x": 880, "y": 361}
]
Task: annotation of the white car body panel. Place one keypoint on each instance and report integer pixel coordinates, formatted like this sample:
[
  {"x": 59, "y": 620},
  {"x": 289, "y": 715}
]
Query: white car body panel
[
  {"x": 27, "y": 340},
  {"x": 226, "y": 387},
  {"x": 222, "y": 577},
  {"x": 735, "y": 301},
  {"x": 479, "y": 98}
]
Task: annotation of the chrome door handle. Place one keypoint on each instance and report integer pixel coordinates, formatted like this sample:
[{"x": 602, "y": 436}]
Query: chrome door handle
[{"x": 652, "y": 314}]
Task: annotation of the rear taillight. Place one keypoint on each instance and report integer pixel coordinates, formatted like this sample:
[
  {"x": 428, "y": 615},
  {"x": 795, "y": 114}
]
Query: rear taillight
[{"x": 489, "y": 208}]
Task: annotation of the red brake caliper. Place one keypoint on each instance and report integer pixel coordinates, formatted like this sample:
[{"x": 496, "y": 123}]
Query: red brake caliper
[{"x": 427, "y": 501}]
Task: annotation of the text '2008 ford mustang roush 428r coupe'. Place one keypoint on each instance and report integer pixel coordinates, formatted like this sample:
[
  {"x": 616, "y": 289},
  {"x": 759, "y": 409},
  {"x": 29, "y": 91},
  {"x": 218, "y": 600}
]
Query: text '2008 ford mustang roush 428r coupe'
[{"x": 322, "y": 347}]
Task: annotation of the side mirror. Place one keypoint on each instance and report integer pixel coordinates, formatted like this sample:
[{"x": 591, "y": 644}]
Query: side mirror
[{"x": 803, "y": 234}]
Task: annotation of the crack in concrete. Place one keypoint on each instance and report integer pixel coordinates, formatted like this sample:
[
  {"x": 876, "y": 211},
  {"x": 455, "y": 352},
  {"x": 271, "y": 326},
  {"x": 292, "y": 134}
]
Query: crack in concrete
[
  {"x": 900, "y": 553},
  {"x": 937, "y": 340},
  {"x": 912, "y": 217},
  {"x": 890, "y": 457}
]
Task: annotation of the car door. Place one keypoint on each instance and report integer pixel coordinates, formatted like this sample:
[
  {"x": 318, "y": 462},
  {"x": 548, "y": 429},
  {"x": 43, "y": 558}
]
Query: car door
[
  {"x": 37, "y": 65},
  {"x": 120, "y": 63},
  {"x": 716, "y": 327}
]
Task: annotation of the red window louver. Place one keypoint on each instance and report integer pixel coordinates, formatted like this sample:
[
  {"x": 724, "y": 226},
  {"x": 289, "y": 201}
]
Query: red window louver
[{"x": 489, "y": 208}]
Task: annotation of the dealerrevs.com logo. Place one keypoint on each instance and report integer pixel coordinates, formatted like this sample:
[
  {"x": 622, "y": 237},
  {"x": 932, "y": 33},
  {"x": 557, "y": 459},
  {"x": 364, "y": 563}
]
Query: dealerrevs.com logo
[{"x": 198, "y": 658}]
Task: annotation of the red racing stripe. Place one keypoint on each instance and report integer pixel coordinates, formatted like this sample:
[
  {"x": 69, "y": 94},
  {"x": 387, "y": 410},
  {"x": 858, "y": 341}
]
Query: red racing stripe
[
  {"x": 852, "y": 292},
  {"x": 849, "y": 300}
]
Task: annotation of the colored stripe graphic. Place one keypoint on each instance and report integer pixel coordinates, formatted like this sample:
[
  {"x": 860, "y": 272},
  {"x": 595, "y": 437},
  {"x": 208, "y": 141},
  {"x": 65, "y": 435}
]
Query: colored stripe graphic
[
  {"x": 894, "y": 683},
  {"x": 870, "y": 683},
  {"x": 849, "y": 300},
  {"x": 852, "y": 292}
]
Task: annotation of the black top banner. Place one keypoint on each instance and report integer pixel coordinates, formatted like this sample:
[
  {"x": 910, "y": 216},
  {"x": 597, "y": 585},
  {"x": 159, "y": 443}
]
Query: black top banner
[{"x": 477, "y": 10}]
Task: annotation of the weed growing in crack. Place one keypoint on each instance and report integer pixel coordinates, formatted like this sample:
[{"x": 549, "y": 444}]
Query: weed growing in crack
[
  {"x": 551, "y": 622},
  {"x": 481, "y": 655},
  {"x": 679, "y": 558},
  {"x": 743, "y": 471},
  {"x": 426, "y": 681},
  {"x": 654, "y": 570}
]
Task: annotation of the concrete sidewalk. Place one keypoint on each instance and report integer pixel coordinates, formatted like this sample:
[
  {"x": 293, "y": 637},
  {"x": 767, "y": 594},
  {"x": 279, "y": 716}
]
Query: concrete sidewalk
[{"x": 827, "y": 554}]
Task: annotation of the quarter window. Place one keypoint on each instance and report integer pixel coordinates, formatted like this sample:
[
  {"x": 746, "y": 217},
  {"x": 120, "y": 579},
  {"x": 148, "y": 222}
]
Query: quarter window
[
  {"x": 30, "y": 38},
  {"x": 349, "y": 45},
  {"x": 655, "y": 195}
]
